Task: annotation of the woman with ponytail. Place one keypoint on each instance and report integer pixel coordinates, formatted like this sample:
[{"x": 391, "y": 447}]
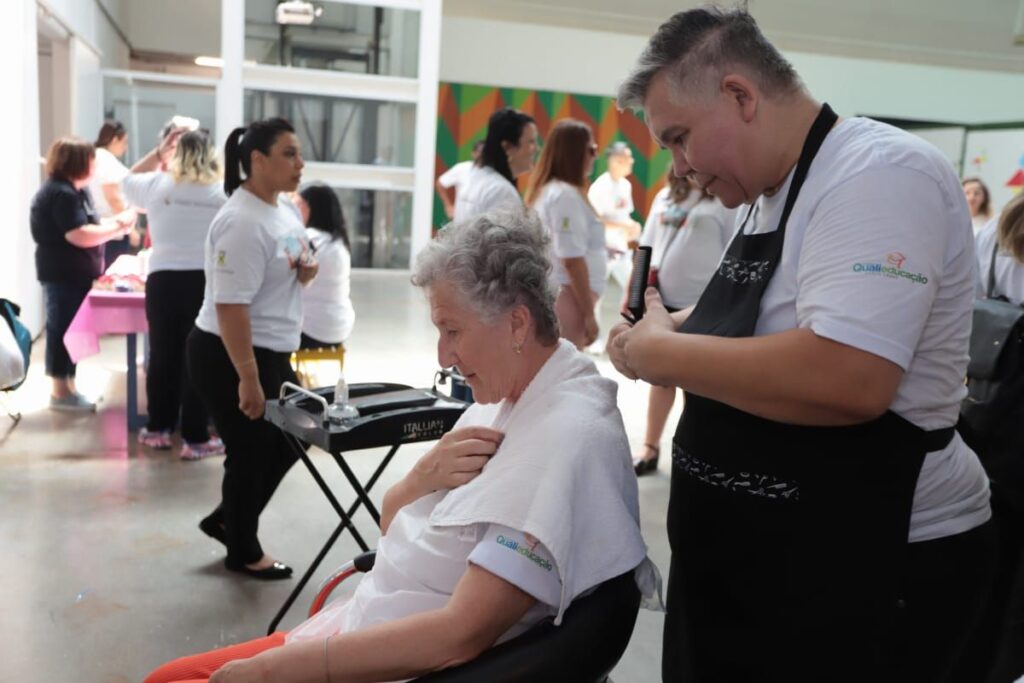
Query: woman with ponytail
[
  {"x": 508, "y": 152},
  {"x": 257, "y": 259}
]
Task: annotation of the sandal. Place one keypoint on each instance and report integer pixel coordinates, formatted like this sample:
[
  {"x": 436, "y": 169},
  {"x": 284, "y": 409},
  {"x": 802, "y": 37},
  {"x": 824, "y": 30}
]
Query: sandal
[{"x": 642, "y": 465}]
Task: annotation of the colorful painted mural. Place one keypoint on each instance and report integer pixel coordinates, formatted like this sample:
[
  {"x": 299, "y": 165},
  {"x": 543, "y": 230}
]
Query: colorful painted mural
[{"x": 463, "y": 111}]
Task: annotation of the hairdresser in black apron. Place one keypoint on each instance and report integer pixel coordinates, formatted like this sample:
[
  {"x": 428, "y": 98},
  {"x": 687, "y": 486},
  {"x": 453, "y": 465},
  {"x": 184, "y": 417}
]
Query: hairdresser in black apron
[{"x": 816, "y": 535}]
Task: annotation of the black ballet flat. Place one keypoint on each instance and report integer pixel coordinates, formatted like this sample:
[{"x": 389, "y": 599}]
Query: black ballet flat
[
  {"x": 275, "y": 572},
  {"x": 644, "y": 466},
  {"x": 214, "y": 530}
]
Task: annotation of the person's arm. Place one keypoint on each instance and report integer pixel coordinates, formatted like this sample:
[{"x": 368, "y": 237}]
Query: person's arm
[
  {"x": 482, "y": 608},
  {"x": 579, "y": 280},
  {"x": 793, "y": 376},
  {"x": 159, "y": 155},
  {"x": 447, "y": 198},
  {"x": 236, "y": 334},
  {"x": 455, "y": 460},
  {"x": 93, "y": 235}
]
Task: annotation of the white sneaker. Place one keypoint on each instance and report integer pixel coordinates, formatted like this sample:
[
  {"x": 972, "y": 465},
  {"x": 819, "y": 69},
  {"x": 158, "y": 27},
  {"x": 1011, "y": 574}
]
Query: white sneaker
[{"x": 72, "y": 403}]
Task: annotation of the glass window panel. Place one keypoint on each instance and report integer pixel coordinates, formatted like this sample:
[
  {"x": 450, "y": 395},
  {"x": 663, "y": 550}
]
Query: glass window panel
[
  {"x": 144, "y": 107},
  {"x": 379, "y": 226},
  {"x": 355, "y": 38},
  {"x": 342, "y": 130}
]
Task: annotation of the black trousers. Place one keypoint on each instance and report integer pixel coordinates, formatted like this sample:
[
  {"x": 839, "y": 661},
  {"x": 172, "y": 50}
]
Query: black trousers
[
  {"x": 948, "y": 584},
  {"x": 307, "y": 342},
  {"x": 62, "y": 302},
  {"x": 996, "y": 650},
  {"x": 173, "y": 299},
  {"x": 257, "y": 455}
]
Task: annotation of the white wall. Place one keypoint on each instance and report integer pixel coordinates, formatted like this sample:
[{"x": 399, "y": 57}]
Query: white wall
[
  {"x": 18, "y": 55},
  {"x": 85, "y": 20},
  {"x": 995, "y": 156},
  {"x": 182, "y": 26},
  {"x": 594, "y": 62}
]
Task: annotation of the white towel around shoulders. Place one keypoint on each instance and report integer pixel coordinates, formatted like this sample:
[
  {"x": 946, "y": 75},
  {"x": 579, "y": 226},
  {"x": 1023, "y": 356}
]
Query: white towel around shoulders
[{"x": 563, "y": 475}]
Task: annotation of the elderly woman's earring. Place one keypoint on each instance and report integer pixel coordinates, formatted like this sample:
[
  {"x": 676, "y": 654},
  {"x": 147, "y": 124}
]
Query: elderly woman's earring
[{"x": 518, "y": 348}]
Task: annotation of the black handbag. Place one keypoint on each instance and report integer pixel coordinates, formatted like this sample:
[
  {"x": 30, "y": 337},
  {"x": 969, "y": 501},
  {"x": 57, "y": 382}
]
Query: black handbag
[{"x": 995, "y": 374}]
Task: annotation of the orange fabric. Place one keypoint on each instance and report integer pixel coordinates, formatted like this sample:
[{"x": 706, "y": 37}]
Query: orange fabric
[{"x": 199, "y": 668}]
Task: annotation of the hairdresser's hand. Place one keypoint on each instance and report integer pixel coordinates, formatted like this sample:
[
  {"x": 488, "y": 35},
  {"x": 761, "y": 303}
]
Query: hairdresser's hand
[
  {"x": 633, "y": 349},
  {"x": 456, "y": 459},
  {"x": 251, "y": 400}
]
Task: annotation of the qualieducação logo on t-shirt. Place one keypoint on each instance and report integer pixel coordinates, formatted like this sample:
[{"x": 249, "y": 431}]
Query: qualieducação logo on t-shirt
[{"x": 893, "y": 267}]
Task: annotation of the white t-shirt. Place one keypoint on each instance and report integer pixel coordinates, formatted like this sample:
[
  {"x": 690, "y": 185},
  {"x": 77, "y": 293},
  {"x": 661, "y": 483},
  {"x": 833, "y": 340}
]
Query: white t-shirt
[
  {"x": 575, "y": 231},
  {"x": 485, "y": 191},
  {"x": 109, "y": 170},
  {"x": 1009, "y": 271},
  {"x": 248, "y": 258},
  {"x": 418, "y": 566},
  {"x": 612, "y": 199},
  {"x": 327, "y": 313},
  {"x": 879, "y": 255},
  {"x": 456, "y": 176},
  {"x": 687, "y": 240},
  {"x": 978, "y": 222},
  {"x": 178, "y": 215}
]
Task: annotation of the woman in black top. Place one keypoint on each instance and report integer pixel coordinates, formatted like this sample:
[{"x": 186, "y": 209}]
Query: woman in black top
[{"x": 69, "y": 236}]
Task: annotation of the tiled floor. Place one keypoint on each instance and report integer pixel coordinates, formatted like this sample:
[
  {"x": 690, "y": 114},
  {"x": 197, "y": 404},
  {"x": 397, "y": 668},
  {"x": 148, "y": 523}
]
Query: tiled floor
[{"x": 105, "y": 574}]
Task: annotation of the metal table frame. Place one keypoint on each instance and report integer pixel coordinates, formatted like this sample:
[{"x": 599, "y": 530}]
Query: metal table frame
[{"x": 362, "y": 499}]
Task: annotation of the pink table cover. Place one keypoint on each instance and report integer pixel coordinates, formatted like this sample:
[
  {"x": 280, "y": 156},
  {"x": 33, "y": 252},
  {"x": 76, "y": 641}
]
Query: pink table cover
[{"x": 105, "y": 312}]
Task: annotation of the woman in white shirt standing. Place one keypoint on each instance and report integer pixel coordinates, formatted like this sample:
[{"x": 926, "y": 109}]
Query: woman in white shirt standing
[
  {"x": 256, "y": 260},
  {"x": 180, "y": 204},
  {"x": 688, "y": 230},
  {"x": 327, "y": 313},
  {"x": 996, "y": 649},
  {"x": 979, "y": 201},
  {"x": 557, "y": 193},
  {"x": 508, "y": 152},
  {"x": 105, "y": 186}
]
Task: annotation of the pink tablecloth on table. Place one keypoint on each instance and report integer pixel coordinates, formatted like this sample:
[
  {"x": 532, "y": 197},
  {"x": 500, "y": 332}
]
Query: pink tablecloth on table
[
  {"x": 106, "y": 312},
  {"x": 101, "y": 313}
]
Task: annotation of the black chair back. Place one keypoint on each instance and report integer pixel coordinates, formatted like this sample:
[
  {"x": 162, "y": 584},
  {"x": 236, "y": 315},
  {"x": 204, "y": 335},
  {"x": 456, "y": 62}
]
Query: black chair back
[{"x": 584, "y": 649}]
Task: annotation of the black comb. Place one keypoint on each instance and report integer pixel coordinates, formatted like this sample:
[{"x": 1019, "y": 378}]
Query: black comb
[{"x": 638, "y": 284}]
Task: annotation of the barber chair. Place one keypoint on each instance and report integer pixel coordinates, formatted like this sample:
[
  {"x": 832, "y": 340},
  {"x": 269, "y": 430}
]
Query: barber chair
[{"x": 584, "y": 649}]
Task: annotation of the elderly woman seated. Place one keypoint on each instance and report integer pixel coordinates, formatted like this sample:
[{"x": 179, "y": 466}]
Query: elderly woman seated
[{"x": 529, "y": 502}]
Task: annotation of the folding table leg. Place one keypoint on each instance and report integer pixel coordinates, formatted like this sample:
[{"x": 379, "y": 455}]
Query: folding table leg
[{"x": 346, "y": 522}]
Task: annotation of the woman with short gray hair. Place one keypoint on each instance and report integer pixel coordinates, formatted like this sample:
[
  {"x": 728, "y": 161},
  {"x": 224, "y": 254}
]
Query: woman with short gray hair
[
  {"x": 495, "y": 261},
  {"x": 527, "y": 503}
]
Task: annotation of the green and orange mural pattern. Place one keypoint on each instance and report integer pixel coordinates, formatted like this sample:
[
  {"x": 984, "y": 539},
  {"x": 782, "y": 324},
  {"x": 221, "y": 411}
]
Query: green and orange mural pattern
[{"x": 463, "y": 111}]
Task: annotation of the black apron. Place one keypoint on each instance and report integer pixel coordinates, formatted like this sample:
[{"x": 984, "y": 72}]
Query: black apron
[{"x": 788, "y": 542}]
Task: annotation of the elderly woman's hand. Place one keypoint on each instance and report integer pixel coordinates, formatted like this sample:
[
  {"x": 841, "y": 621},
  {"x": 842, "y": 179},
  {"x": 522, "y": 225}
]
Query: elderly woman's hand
[
  {"x": 456, "y": 459},
  {"x": 241, "y": 671},
  {"x": 631, "y": 348}
]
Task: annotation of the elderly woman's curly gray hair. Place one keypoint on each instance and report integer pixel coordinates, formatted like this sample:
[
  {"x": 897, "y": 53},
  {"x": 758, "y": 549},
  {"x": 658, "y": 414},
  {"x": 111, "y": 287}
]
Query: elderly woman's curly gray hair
[{"x": 496, "y": 261}]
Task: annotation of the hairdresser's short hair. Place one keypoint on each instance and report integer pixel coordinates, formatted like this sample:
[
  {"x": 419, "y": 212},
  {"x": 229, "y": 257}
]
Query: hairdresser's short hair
[{"x": 697, "y": 47}]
